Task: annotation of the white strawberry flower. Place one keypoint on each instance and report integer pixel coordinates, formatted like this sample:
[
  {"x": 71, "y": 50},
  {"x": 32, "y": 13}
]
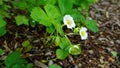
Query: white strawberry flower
[
  {"x": 68, "y": 21},
  {"x": 83, "y": 33}
]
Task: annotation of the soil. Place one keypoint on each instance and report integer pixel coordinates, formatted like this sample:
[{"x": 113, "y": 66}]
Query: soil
[{"x": 96, "y": 50}]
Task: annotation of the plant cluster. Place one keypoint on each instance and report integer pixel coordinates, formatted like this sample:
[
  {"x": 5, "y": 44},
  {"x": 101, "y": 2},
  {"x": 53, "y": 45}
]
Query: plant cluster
[
  {"x": 17, "y": 61},
  {"x": 56, "y": 16}
]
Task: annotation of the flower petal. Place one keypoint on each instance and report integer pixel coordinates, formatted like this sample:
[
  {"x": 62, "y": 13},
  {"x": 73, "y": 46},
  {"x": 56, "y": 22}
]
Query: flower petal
[
  {"x": 68, "y": 21},
  {"x": 83, "y": 33}
]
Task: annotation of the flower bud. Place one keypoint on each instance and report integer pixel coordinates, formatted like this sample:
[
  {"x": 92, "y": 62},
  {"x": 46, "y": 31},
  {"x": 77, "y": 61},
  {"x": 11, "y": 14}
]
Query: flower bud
[
  {"x": 57, "y": 41},
  {"x": 75, "y": 50}
]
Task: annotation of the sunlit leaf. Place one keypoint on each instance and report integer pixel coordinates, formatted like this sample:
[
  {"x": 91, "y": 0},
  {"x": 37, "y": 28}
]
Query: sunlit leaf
[{"x": 40, "y": 16}]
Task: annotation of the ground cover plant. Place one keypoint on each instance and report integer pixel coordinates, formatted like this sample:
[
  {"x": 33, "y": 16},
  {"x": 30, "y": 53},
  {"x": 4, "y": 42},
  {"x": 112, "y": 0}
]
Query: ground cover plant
[{"x": 55, "y": 22}]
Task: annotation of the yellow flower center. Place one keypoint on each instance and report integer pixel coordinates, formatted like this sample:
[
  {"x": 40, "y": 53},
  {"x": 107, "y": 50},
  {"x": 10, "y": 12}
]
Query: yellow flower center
[
  {"x": 69, "y": 22},
  {"x": 82, "y": 33}
]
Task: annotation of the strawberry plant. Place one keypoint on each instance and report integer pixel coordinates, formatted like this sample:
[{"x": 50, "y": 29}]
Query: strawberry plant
[{"x": 56, "y": 16}]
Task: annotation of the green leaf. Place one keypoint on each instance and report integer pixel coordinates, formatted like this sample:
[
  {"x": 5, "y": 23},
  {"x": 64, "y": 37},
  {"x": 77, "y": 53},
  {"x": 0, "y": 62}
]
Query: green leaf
[
  {"x": 64, "y": 43},
  {"x": 76, "y": 15},
  {"x": 17, "y": 66},
  {"x": 2, "y": 31},
  {"x": 4, "y": 13},
  {"x": 92, "y": 1},
  {"x": 1, "y": 2},
  {"x": 28, "y": 48},
  {"x": 33, "y": 2},
  {"x": 54, "y": 66},
  {"x": 2, "y": 22},
  {"x": 50, "y": 29},
  {"x": 1, "y": 51},
  {"x": 51, "y": 2},
  {"x": 52, "y": 11},
  {"x": 41, "y": 2},
  {"x": 58, "y": 27},
  {"x": 26, "y": 43},
  {"x": 20, "y": 19},
  {"x": 91, "y": 24},
  {"x": 61, "y": 54},
  {"x": 84, "y": 4},
  {"x": 30, "y": 65},
  {"x": 114, "y": 53},
  {"x": 20, "y": 4},
  {"x": 65, "y": 5},
  {"x": 12, "y": 59},
  {"x": 40, "y": 16}
]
